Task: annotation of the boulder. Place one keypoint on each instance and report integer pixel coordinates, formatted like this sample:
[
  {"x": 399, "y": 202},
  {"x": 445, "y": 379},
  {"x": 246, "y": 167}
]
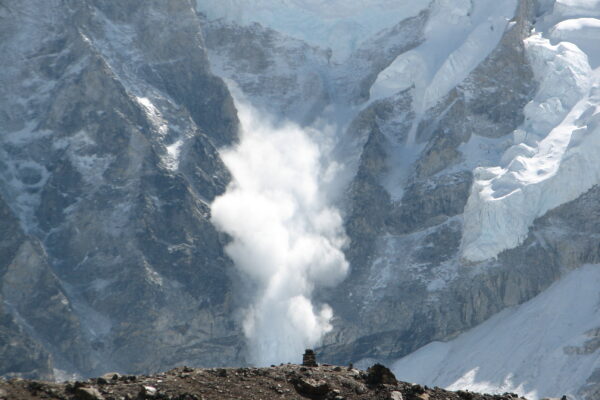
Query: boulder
[
  {"x": 380, "y": 374},
  {"x": 311, "y": 388},
  {"x": 88, "y": 393}
]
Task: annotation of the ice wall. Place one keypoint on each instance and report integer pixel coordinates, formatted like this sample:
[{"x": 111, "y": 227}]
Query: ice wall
[{"x": 553, "y": 160}]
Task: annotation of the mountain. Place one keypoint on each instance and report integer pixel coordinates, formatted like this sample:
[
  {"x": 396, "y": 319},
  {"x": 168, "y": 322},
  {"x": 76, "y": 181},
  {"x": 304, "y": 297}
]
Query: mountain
[
  {"x": 226, "y": 182},
  {"x": 109, "y": 162}
]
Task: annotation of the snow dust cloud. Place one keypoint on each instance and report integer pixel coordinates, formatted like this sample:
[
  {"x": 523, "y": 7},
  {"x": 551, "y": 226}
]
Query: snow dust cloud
[{"x": 286, "y": 239}]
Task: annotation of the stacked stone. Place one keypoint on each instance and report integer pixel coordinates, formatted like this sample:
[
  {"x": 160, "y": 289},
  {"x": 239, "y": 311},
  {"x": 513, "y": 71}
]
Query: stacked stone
[{"x": 309, "y": 359}]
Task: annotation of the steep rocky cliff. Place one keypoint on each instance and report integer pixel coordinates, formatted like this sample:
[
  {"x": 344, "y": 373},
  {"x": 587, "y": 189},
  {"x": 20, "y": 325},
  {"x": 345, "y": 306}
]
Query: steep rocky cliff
[{"x": 108, "y": 161}]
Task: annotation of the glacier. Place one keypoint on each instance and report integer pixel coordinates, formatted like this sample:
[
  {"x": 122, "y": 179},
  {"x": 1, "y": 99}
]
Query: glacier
[
  {"x": 583, "y": 32},
  {"x": 552, "y": 159}
]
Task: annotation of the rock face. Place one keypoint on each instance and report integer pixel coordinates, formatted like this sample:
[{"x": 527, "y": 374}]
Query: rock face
[
  {"x": 108, "y": 160},
  {"x": 32, "y": 302},
  {"x": 411, "y": 244}
]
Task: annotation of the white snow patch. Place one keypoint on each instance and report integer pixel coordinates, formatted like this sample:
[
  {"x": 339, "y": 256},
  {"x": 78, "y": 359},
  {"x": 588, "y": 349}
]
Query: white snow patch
[
  {"x": 154, "y": 115},
  {"x": 153, "y": 276},
  {"x": 553, "y": 160},
  {"x": 82, "y": 150},
  {"x": 583, "y": 32},
  {"x": 408, "y": 69},
  {"x": 535, "y": 349},
  {"x": 555, "y": 11},
  {"x": 173, "y": 151},
  {"x": 170, "y": 158}
]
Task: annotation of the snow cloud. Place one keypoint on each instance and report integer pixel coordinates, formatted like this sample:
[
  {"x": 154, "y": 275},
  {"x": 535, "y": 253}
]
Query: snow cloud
[{"x": 287, "y": 239}]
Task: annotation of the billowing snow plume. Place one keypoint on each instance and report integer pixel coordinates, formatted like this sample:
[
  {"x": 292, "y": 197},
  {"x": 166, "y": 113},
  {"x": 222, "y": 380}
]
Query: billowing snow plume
[{"x": 286, "y": 239}]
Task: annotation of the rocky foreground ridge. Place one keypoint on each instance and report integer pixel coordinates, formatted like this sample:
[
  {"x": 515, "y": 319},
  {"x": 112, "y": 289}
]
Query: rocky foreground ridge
[{"x": 287, "y": 381}]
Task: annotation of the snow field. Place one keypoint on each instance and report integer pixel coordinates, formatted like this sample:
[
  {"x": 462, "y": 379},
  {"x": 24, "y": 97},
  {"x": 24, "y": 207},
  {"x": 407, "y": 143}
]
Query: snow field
[{"x": 535, "y": 349}]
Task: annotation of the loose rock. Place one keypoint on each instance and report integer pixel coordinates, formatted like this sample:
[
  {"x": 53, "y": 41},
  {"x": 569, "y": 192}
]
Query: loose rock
[
  {"x": 379, "y": 374},
  {"x": 88, "y": 393}
]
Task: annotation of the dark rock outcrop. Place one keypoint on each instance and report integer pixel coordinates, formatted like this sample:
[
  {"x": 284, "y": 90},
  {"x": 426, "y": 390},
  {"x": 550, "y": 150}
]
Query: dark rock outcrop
[
  {"x": 380, "y": 375},
  {"x": 108, "y": 162}
]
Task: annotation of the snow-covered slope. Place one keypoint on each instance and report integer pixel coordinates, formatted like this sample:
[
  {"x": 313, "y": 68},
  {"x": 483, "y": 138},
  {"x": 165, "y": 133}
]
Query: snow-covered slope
[
  {"x": 547, "y": 347},
  {"x": 584, "y": 32},
  {"x": 458, "y": 37}
]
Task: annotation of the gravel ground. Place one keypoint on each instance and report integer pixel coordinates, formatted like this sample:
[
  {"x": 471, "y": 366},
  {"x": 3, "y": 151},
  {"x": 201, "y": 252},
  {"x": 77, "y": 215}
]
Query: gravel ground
[{"x": 287, "y": 381}]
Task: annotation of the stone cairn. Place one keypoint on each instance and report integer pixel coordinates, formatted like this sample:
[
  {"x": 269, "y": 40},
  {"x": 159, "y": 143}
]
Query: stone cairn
[{"x": 309, "y": 359}]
